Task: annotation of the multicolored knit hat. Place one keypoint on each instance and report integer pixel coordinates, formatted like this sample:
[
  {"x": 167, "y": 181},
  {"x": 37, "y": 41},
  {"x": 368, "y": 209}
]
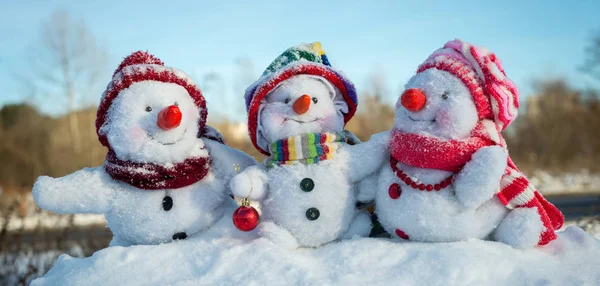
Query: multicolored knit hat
[
  {"x": 142, "y": 66},
  {"x": 308, "y": 59},
  {"x": 496, "y": 96}
]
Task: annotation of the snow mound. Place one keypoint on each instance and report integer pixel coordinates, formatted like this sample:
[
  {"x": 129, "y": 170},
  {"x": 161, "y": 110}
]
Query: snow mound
[{"x": 241, "y": 258}]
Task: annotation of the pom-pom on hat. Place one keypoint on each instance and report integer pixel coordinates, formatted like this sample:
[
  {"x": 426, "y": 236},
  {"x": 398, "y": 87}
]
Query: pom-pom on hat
[
  {"x": 496, "y": 96},
  {"x": 142, "y": 66},
  {"x": 307, "y": 59}
]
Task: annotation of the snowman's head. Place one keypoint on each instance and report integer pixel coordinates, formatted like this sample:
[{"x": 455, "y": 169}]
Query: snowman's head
[
  {"x": 437, "y": 103},
  {"x": 150, "y": 113},
  {"x": 458, "y": 86},
  {"x": 153, "y": 122},
  {"x": 299, "y": 105}
]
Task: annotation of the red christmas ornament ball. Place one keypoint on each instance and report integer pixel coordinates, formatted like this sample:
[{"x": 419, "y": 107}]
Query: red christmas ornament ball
[{"x": 245, "y": 218}]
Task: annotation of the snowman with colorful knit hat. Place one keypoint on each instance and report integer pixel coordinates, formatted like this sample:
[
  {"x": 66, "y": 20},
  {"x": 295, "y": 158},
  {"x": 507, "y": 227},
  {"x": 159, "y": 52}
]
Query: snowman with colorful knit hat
[
  {"x": 165, "y": 173},
  {"x": 449, "y": 177},
  {"x": 296, "y": 115}
]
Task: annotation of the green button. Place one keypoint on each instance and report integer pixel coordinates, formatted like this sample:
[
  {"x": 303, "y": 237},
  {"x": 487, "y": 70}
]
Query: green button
[
  {"x": 312, "y": 214},
  {"x": 307, "y": 184}
]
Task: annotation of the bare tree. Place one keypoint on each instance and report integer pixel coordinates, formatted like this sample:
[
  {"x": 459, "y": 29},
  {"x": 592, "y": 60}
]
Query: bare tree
[
  {"x": 592, "y": 62},
  {"x": 374, "y": 115},
  {"x": 244, "y": 76},
  {"x": 64, "y": 68},
  {"x": 214, "y": 87},
  {"x": 377, "y": 83}
]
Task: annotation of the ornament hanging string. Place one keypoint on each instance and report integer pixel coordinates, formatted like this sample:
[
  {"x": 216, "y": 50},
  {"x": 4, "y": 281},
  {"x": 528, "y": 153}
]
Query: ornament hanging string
[{"x": 245, "y": 217}]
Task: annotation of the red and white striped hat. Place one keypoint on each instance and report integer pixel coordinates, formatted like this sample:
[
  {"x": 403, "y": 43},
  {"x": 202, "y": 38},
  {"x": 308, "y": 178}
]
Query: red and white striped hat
[{"x": 496, "y": 96}]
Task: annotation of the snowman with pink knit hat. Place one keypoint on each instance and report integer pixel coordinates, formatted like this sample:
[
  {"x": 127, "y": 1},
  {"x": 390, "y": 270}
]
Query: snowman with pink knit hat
[{"x": 449, "y": 176}]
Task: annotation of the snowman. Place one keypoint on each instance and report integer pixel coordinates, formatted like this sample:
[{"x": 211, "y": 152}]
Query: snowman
[
  {"x": 165, "y": 174},
  {"x": 449, "y": 177},
  {"x": 296, "y": 115}
]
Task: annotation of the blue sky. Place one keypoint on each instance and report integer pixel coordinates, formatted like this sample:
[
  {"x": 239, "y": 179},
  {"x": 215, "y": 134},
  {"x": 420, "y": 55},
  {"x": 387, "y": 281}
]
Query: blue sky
[{"x": 534, "y": 39}]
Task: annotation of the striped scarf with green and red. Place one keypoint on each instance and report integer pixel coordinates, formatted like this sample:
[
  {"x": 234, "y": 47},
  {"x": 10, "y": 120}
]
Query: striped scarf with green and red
[{"x": 305, "y": 149}]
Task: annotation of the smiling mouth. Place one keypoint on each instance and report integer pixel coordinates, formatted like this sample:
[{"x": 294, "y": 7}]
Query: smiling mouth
[
  {"x": 168, "y": 143},
  {"x": 302, "y": 122},
  {"x": 420, "y": 120}
]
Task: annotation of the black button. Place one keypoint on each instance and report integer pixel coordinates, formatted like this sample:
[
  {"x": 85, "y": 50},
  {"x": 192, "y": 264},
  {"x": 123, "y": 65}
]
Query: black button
[
  {"x": 167, "y": 203},
  {"x": 307, "y": 184},
  {"x": 179, "y": 235},
  {"x": 312, "y": 214}
]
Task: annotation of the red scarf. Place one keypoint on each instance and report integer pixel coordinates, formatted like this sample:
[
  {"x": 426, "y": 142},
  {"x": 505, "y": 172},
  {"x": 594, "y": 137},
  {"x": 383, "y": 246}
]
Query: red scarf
[
  {"x": 149, "y": 176},
  {"x": 451, "y": 155}
]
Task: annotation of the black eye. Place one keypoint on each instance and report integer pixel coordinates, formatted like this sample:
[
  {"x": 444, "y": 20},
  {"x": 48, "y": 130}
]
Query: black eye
[
  {"x": 315, "y": 100},
  {"x": 287, "y": 100},
  {"x": 176, "y": 103},
  {"x": 148, "y": 108},
  {"x": 445, "y": 95}
]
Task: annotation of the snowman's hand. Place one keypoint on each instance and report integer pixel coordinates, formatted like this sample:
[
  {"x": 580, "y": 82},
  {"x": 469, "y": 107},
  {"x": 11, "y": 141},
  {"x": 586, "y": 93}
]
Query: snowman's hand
[
  {"x": 278, "y": 235},
  {"x": 85, "y": 191},
  {"x": 361, "y": 226},
  {"x": 368, "y": 157},
  {"x": 251, "y": 183},
  {"x": 367, "y": 188},
  {"x": 479, "y": 179},
  {"x": 521, "y": 228},
  {"x": 119, "y": 241},
  {"x": 224, "y": 158}
]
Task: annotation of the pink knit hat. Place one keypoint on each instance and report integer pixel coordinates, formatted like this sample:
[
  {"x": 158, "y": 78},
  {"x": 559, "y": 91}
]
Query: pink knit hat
[{"x": 496, "y": 96}]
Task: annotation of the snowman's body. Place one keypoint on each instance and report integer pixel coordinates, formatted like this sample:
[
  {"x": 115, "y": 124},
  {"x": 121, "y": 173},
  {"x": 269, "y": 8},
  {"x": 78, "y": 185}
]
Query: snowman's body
[
  {"x": 157, "y": 123},
  {"x": 308, "y": 204},
  {"x": 433, "y": 216},
  {"x": 135, "y": 216},
  {"x": 163, "y": 215},
  {"x": 315, "y": 203},
  {"x": 467, "y": 208}
]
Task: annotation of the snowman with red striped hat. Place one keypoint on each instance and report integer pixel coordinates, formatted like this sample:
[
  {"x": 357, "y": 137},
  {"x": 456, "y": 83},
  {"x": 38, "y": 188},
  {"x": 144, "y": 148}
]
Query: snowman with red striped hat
[
  {"x": 296, "y": 115},
  {"x": 449, "y": 176},
  {"x": 166, "y": 171}
]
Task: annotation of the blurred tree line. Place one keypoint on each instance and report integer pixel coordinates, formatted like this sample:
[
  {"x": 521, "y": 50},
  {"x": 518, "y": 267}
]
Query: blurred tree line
[{"x": 558, "y": 129}]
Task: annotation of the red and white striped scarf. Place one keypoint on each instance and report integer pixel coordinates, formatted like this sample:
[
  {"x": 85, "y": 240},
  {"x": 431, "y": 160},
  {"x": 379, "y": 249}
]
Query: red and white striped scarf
[{"x": 451, "y": 155}]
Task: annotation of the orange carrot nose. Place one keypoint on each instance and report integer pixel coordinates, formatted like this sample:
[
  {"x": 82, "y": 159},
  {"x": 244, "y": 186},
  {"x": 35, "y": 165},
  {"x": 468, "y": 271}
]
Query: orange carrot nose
[
  {"x": 302, "y": 104},
  {"x": 413, "y": 99},
  {"x": 169, "y": 117}
]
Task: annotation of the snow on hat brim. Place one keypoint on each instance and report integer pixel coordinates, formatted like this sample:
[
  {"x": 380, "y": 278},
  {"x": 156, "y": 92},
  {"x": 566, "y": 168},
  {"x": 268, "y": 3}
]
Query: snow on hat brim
[
  {"x": 257, "y": 91},
  {"x": 130, "y": 72},
  {"x": 496, "y": 96}
]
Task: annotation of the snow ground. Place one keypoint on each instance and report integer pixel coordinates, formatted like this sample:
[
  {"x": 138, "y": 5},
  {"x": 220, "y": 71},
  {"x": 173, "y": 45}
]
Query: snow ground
[
  {"x": 241, "y": 258},
  {"x": 590, "y": 225}
]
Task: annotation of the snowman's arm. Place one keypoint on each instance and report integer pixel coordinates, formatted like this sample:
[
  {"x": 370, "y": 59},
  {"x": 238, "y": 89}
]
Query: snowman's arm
[
  {"x": 367, "y": 188},
  {"x": 480, "y": 178},
  {"x": 224, "y": 158},
  {"x": 85, "y": 191},
  {"x": 367, "y": 157},
  {"x": 252, "y": 183}
]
